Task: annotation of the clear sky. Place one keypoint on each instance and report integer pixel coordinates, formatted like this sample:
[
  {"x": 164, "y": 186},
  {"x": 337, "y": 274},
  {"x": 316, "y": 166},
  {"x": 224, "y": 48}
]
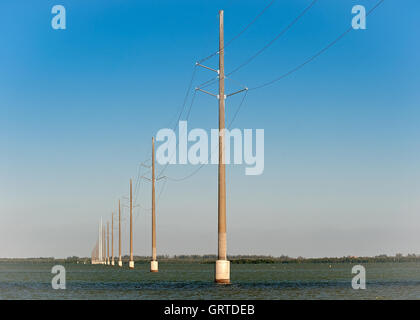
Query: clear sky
[{"x": 78, "y": 108}]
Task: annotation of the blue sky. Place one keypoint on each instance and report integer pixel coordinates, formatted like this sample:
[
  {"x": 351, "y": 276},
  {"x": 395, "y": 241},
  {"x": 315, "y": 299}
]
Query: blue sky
[{"x": 78, "y": 108}]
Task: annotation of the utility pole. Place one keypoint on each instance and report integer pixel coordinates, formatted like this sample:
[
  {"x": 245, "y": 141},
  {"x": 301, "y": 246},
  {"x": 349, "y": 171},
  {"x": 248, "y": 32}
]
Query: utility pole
[
  {"x": 112, "y": 240},
  {"x": 104, "y": 243},
  {"x": 153, "y": 263},
  {"x": 119, "y": 234},
  {"x": 100, "y": 242},
  {"x": 131, "y": 262},
  {"x": 222, "y": 264},
  {"x": 107, "y": 242}
]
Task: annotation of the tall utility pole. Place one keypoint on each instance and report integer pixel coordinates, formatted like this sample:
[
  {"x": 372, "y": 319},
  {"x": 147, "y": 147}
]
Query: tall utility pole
[
  {"x": 222, "y": 264},
  {"x": 153, "y": 263},
  {"x": 131, "y": 262},
  {"x": 107, "y": 242},
  {"x": 112, "y": 240},
  {"x": 119, "y": 234}
]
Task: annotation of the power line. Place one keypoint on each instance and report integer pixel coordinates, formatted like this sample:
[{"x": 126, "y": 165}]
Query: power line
[
  {"x": 189, "y": 109},
  {"x": 238, "y": 109},
  {"x": 187, "y": 93},
  {"x": 213, "y": 54},
  {"x": 137, "y": 184},
  {"x": 240, "y": 32},
  {"x": 209, "y": 82},
  {"x": 279, "y": 78},
  {"x": 315, "y": 55},
  {"x": 149, "y": 209},
  {"x": 138, "y": 178},
  {"x": 187, "y": 176},
  {"x": 202, "y": 165},
  {"x": 177, "y": 142},
  {"x": 282, "y": 32}
]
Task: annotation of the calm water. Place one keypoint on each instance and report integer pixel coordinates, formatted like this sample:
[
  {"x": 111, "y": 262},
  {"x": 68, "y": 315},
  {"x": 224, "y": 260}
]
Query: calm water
[{"x": 195, "y": 281}]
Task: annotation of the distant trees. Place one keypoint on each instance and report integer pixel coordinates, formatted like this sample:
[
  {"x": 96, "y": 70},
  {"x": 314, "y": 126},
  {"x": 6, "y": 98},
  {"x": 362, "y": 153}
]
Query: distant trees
[{"x": 236, "y": 259}]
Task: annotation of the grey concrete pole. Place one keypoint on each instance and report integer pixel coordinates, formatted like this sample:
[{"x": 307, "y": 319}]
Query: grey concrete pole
[
  {"x": 131, "y": 262},
  {"x": 222, "y": 265},
  {"x": 119, "y": 234},
  {"x": 153, "y": 263}
]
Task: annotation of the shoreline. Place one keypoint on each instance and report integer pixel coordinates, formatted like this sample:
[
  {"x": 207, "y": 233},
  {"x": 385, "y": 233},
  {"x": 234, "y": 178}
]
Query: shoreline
[{"x": 239, "y": 259}]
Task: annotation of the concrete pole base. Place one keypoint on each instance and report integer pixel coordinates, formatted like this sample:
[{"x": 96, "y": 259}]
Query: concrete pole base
[
  {"x": 112, "y": 263},
  {"x": 222, "y": 274},
  {"x": 131, "y": 264},
  {"x": 120, "y": 263},
  {"x": 154, "y": 266}
]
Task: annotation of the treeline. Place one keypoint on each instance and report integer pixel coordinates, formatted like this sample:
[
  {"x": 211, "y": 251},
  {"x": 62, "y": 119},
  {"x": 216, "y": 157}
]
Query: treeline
[
  {"x": 235, "y": 259},
  {"x": 331, "y": 260}
]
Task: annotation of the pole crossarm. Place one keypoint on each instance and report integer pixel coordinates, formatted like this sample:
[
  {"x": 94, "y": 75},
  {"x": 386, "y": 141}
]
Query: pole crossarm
[
  {"x": 209, "y": 93},
  {"x": 144, "y": 177},
  {"x": 208, "y": 68},
  {"x": 231, "y": 94},
  {"x": 156, "y": 179}
]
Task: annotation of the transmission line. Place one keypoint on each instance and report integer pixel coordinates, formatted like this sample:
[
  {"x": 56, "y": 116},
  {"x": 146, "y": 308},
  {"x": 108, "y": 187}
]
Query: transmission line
[
  {"x": 177, "y": 142},
  {"x": 282, "y": 32},
  {"x": 202, "y": 165},
  {"x": 282, "y": 76},
  {"x": 187, "y": 93},
  {"x": 239, "y": 33},
  {"x": 310, "y": 59},
  {"x": 211, "y": 80}
]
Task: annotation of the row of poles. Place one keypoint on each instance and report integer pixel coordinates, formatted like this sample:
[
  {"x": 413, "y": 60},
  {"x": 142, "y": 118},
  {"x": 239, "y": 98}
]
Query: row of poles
[
  {"x": 101, "y": 254},
  {"x": 222, "y": 266}
]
